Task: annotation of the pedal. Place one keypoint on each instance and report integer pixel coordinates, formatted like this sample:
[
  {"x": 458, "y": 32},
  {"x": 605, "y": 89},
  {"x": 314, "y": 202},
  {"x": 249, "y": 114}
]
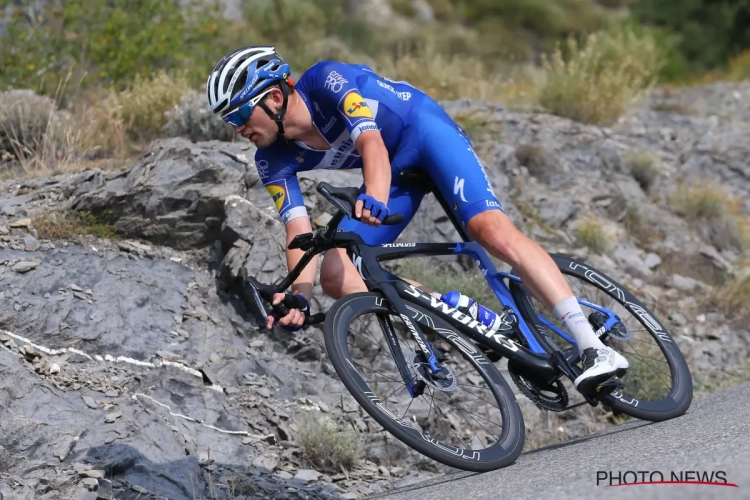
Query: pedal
[{"x": 610, "y": 385}]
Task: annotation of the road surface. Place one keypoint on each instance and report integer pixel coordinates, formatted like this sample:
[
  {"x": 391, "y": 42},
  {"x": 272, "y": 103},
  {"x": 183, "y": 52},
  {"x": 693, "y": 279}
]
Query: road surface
[{"x": 712, "y": 437}]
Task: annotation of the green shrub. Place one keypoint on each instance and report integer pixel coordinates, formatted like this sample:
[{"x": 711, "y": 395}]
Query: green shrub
[
  {"x": 708, "y": 33},
  {"x": 598, "y": 81},
  {"x": 110, "y": 43}
]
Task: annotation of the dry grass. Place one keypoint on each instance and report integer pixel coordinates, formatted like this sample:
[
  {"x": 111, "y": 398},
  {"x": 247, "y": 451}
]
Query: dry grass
[
  {"x": 41, "y": 138},
  {"x": 733, "y": 299},
  {"x": 644, "y": 166},
  {"x": 142, "y": 108},
  {"x": 597, "y": 82},
  {"x": 71, "y": 226},
  {"x": 326, "y": 443},
  {"x": 739, "y": 67},
  {"x": 592, "y": 234},
  {"x": 716, "y": 214},
  {"x": 638, "y": 224},
  {"x": 448, "y": 77}
]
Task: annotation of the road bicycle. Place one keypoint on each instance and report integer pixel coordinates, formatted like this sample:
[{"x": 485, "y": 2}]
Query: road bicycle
[{"x": 439, "y": 359}]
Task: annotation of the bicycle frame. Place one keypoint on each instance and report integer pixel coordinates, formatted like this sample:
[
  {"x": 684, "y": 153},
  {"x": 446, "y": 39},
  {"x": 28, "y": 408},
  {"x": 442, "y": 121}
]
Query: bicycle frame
[{"x": 543, "y": 361}]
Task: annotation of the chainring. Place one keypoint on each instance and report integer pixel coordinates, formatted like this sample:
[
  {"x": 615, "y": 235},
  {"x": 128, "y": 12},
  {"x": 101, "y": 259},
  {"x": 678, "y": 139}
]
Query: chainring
[{"x": 541, "y": 397}]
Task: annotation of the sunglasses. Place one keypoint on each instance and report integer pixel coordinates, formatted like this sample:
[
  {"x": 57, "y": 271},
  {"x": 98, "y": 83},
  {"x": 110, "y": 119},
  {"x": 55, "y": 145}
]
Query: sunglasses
[{"x": 238, "y": 116}]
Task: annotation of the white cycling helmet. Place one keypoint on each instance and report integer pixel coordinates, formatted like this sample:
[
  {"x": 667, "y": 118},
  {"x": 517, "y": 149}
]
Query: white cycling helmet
[{"x": 244, "y": 75}]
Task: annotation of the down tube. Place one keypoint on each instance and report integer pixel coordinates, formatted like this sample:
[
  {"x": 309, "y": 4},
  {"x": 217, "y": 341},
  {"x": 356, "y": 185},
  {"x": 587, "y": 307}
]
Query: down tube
[{"x": 475, "y": 251}]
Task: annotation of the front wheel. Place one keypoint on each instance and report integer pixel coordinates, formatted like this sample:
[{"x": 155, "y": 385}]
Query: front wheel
[
  {"x": 469, "y": 420},
  {"x": 658, "y": 384}
]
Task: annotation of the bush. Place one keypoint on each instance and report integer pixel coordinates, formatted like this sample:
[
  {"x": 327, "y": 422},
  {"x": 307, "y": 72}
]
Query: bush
[
  {"x": 717, "y": 215},
  {"x": 143, "y": 106},
  {"x": 644, "y": 167},
  {"x": 192, "y": 119},
  {"x": 708, "y": 32},
  {"x": 25, "y": 119},
  {"x": 592, "y": 235},
  {"x": 324, "y": 443},
  {"x": 39, "y": 136},
  {"x": 597, "y": 82},
  {"x": 739, "y": 66},
  {"x": 733, "y": 298},
  {"x": 110, "y": 43}
]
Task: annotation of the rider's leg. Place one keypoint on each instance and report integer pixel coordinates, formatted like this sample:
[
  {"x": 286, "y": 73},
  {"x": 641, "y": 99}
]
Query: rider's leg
[
  {"x": 459, "y": 175},
  {"x": 499, "y": 236},
  {"x": 338, "y": 275}
]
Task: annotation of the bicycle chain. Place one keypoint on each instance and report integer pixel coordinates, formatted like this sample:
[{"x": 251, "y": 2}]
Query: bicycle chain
[{"x": 531, "y": 391}]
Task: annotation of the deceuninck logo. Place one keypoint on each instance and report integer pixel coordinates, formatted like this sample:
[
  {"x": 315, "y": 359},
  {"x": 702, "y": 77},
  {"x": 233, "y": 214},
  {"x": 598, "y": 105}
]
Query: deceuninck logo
[{"x": 656, "y": 477}]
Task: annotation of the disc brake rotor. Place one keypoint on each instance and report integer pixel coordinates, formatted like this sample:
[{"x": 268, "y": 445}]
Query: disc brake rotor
[{"x": 447, "y": 380}]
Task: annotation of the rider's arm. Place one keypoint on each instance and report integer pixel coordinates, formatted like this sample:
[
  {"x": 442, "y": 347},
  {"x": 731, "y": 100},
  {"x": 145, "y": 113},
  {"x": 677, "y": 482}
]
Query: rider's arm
[
  {"x": 377, "y": 166},
  {"x": 277, "y": 172},
  {"x": 335, "y": 84},
  {"x": 304, "y": 284}
]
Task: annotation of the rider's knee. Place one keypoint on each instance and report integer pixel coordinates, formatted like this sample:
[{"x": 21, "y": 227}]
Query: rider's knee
[
  {"x": 333, "y": 274},
  {"x": 329, "y": 282},
  {"x": 495, "y": 230}
]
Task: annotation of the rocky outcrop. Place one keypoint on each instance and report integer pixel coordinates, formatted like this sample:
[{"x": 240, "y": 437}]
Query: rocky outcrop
[
  {"x": 174, "y": 194},
  {"x": 129, "y": 367}
]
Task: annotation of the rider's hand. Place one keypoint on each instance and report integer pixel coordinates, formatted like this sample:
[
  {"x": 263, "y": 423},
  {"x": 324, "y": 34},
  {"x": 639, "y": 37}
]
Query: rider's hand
[
  {"x": 370, "y": 211},
  {"x": 293, "y": 320}
]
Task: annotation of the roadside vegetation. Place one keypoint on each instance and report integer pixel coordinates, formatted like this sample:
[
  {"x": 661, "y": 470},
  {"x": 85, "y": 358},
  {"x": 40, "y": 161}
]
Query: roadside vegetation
[{"x": 101, "y": 80}]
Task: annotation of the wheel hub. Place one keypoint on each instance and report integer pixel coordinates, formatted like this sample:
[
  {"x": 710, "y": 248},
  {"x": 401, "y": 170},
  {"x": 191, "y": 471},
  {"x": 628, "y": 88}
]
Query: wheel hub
[{"x": 444, "y": 380}]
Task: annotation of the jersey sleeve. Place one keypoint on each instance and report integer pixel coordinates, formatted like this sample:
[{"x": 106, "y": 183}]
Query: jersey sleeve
[
  {"x": 336, "y": 85},
  {"x": 280, "y": 180}
]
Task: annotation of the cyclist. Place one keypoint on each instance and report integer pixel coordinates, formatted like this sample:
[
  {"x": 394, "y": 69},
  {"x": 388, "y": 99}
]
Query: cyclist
[{"x": 345, "y": 116}]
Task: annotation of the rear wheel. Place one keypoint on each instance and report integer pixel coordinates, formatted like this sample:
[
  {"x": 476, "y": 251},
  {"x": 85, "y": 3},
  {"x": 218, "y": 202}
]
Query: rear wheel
[
  {"x": 469, "y": 420},
  {"x": 658, "y": 384}
]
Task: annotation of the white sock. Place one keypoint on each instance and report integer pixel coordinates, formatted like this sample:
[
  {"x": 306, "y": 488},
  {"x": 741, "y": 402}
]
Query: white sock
[{"x": 569, "y": 312}]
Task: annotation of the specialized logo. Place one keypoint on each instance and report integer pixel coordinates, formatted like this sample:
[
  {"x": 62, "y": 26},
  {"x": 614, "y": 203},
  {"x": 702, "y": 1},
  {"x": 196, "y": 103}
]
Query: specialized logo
[
  {"x": 335, "y": 82},
  {"x": 278, "y": 194},
  {"x": 458, "y": 188},
  {"x": 354, "y": 106}
]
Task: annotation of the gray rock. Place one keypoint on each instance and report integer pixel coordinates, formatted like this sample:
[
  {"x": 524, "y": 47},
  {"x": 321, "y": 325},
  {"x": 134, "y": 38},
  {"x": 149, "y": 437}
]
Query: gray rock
[
  {"x": 631, "y": 261},
  {"x": 30, "y": 243},
  {"x": 684, "y": 283},
  {"x": 651, "y": 260},
  {"x": 24, "y": 266},
  {"x": 307, "y": 475},
  {"x": 173, "y": 195},
  {"x": 91, "y": 483}
]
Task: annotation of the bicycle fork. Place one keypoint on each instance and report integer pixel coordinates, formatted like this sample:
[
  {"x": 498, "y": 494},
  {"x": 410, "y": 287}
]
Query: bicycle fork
[{"x": 415, "y": 388}]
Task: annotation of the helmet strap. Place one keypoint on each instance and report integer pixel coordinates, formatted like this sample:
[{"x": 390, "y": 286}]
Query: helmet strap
[{"x": 278, "y": 117}]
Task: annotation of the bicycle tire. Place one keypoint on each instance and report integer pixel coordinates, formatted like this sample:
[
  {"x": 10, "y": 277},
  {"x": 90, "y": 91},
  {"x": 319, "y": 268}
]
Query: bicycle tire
[
  {"x": 509, "y": 444},
  {"x": 680, "y": 396}
]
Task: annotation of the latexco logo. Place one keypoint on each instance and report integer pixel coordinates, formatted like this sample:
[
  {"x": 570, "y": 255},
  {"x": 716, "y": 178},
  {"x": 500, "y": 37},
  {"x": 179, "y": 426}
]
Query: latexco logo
[{"x": 641, "y": 477}]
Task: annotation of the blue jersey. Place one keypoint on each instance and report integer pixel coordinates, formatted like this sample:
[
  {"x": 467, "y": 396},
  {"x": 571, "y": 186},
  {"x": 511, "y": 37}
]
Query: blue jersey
[
  {"x": 347, "y": 99},
  {"x": 344, "y": 100}
]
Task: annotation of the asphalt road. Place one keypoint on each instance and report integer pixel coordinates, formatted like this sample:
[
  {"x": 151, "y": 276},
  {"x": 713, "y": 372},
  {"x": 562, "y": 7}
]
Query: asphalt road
[{"x": 713, "y": 436}]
